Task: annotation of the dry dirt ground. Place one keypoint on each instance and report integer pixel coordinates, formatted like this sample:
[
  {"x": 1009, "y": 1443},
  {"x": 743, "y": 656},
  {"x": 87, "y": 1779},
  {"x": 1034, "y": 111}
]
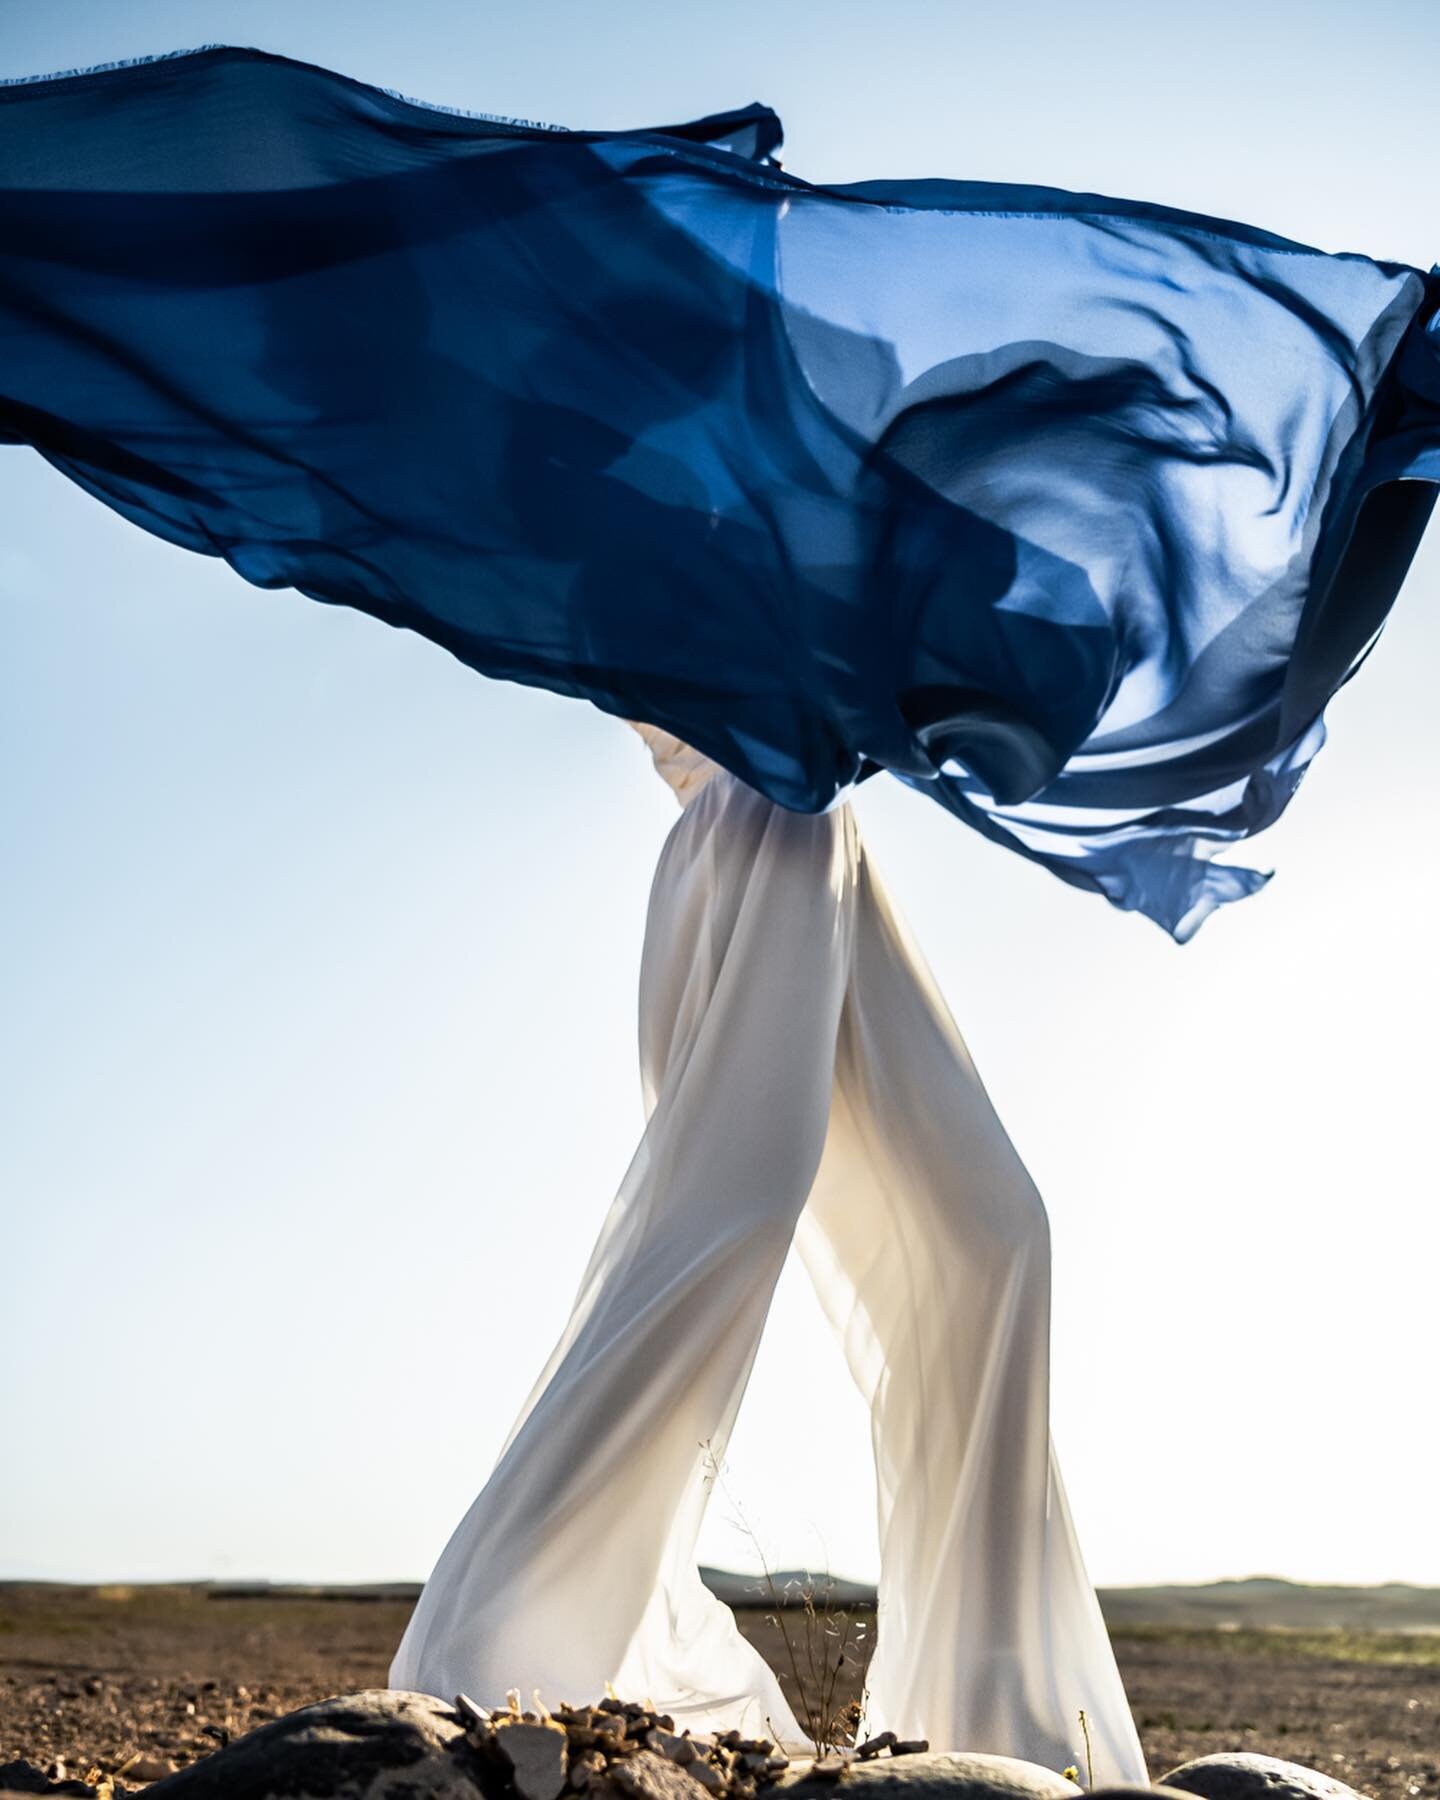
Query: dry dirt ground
[{"x": 89, "y": 1676}]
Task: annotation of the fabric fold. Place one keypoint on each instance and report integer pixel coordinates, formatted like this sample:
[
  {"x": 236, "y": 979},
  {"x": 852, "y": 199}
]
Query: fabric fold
[
  {"x": 804, "y": 1081},
  {"x": 1071, "y": 512}
]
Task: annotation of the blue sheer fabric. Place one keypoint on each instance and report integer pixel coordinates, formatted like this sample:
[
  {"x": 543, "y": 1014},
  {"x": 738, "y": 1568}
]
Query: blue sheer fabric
[{"x": 1070, "y": 512}]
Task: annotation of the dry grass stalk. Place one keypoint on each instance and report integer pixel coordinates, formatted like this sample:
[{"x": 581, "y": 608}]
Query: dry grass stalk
[{"x": 828, "y": 1639}]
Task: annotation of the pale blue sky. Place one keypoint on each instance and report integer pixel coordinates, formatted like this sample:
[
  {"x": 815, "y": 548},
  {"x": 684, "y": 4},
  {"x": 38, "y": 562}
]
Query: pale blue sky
[{"x": 318, "y": 1011}]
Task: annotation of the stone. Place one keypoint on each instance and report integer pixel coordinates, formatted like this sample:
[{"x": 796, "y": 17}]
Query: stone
[
  {"x": 668, "y": 1743},
  {"x": 1126, "y": 1790},
  {"x": 537, "y": 1753},
  {"x": 937, "y": 1775},
  {"x": 584, "y": 1768},
  {"x": 475, "y": 1717},
  {"x": 150, "y": 1768},
  {"x": 24, "y": 1777},
  {"x": 648, "y": 1776},
  {"x": 356, "y": 1747},
  {"x": 1244, "y": 1775}
]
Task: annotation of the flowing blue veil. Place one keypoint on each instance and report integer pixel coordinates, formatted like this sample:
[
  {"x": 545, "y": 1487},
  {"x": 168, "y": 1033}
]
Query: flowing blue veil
[{"x": 1070, "y": 512}]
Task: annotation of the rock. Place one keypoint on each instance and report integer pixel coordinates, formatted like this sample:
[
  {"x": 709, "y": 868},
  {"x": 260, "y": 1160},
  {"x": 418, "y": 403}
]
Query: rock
[
  {"x": 1125, "y": 1790},
  {"x": 356, "y": 1747},
  {"x": 669, "y": 1743},
  {"x": 584, "y": 1768},
  {"x": 414, "y": 1747},
  {"x": 938, "y": 1775},
  {"x": 536, "y": 1753},
  {"x": 476, "y": 1717},
  {"x": 22, "y": 1777},
  {"x": 149, "y": 1768},
  {"x": 1242, "y": 1775},
  {"x": 649, "y": 1776}
]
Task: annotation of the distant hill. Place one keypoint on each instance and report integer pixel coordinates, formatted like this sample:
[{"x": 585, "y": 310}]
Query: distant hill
[
  {"x": 1258, "y": 1603},
  {"x": 789, "y": 1585},
  {"x": 1269, "y": 1602}
]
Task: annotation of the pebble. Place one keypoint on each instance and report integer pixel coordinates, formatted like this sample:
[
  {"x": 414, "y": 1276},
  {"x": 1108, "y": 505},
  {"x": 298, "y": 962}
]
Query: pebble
[
  {"x": 537, "y": 1754},
  {"x": 584, "y": 1768},
  {"x": 470, "y": 1713},
  {"x": 648, "y": 1776},
  {"x": 151, "y": 1768},
  {"x": 667, "y": 1743}
]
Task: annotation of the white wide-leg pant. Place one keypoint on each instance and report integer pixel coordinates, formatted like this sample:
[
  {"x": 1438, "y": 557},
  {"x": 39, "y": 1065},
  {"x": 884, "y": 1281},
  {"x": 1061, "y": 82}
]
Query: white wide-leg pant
[{"x": 804, "y": 1081}]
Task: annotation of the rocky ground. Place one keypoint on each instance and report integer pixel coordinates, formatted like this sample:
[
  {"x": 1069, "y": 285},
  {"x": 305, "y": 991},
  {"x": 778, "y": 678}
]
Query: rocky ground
[{"x": 154, "y": 1678}]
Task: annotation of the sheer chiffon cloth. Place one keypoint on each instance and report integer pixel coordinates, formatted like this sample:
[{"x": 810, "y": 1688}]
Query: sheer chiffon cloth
[{"x": 804, "y": 1081}]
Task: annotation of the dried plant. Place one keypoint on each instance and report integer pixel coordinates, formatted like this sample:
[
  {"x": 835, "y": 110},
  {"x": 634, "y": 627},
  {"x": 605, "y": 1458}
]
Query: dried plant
[
  {"x": 828, "y": 1637},
  {"x": 832, "y": 1639}
]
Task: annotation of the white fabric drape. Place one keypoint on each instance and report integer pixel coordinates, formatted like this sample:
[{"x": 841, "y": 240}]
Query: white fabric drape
[{"x": 804, "y": 1081}]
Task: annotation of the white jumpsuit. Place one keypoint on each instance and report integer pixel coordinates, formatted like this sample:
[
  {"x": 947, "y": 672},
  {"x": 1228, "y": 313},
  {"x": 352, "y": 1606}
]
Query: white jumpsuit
[{"x": 803, "y": 1081}]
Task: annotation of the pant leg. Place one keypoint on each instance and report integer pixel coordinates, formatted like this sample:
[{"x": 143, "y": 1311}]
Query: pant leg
[
  {"x": 929, "y": 1248},
  {"x": 576, "y": 1564}
]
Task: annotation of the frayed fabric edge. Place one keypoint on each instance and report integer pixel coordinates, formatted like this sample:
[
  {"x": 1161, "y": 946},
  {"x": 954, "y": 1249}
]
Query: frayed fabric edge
[{"x": 167, "y": 56}]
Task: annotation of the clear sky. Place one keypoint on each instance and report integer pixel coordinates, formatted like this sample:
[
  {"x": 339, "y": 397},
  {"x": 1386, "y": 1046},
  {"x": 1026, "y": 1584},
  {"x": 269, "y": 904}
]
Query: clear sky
[{"x": 317, "y": 1025}]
